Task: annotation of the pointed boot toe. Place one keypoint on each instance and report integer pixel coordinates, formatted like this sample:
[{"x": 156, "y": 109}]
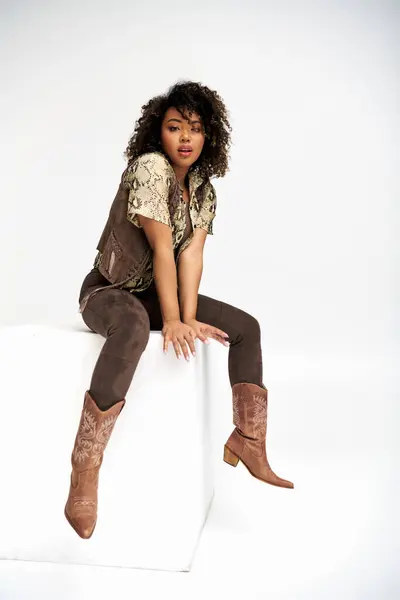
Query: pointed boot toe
[
  {"x": 83, "y": 525},
  {"x": 287, "y": 484},
  {"x": 278, "y": 481}
]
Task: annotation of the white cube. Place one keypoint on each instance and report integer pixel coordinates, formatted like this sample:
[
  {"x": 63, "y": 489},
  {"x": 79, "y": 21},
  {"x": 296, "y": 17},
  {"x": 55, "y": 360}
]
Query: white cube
[{"x": 156, "y": 483}]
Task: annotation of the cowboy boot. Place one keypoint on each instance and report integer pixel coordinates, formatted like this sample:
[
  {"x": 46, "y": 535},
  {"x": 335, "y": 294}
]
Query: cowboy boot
[
  {"x": 247, "y": 441},
  {"x": 94, "y": 431}
]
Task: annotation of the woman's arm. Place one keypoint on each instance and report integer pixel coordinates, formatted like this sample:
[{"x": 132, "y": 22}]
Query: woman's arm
[
  {"x": 159, "y": 236},
  {"x": 165, "y": 278},
  {"x": 190, "y": 269}
]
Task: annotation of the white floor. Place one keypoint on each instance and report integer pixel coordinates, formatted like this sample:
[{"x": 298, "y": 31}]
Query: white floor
[{"x": 335, "y": 536}]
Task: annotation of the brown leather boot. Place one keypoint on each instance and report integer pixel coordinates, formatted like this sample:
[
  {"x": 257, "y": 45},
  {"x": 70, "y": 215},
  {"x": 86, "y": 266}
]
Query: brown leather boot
[
  {"x": 247, "y": 441},
  {"x": 94, "y": 431}
]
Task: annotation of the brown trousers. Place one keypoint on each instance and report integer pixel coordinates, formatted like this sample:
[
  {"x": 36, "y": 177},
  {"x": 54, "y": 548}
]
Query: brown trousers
[{"x": 125, "y": 319}]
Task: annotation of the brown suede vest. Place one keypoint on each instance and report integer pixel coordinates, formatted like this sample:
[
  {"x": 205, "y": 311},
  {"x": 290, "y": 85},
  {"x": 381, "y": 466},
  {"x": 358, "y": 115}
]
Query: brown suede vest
[{"x": 124, "y": 247}]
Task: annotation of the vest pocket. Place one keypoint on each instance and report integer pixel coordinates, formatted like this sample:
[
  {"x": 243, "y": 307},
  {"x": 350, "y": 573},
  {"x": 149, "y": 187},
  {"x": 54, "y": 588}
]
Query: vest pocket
[{"x": 112, "y": 264}]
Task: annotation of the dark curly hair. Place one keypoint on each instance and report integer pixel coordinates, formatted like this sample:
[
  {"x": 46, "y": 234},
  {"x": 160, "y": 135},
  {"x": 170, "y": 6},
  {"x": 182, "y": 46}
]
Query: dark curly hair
[{"x": 187, "y": 96}]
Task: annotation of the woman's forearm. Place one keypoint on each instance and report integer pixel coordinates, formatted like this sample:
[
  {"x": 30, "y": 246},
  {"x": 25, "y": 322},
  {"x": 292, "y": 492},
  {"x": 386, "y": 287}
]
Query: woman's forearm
[
  {"x": 165, "y": 278},
  {"x": 190, "y": 269}
]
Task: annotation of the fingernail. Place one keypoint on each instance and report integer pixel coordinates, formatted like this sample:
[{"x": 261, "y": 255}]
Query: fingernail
[
  {"x": 194, "y": 353},
  {"x": 187, "y": 358},
  {"x": 179, "y": 355}
]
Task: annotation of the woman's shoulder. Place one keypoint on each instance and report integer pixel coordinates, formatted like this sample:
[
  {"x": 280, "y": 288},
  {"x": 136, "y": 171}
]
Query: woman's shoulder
[
  {"x": 209, "y": 189},
  {"x": 152, "y": 163}
]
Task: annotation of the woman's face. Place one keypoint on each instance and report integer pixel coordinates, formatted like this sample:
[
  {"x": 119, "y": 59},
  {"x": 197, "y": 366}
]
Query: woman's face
[{"x": 177, "y": 131}]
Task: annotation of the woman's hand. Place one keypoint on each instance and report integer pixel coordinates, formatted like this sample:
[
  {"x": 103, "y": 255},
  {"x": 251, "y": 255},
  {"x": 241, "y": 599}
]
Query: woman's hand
[
  {"x": 181, "y": 335},
  {"x": 203, "y": 331}
]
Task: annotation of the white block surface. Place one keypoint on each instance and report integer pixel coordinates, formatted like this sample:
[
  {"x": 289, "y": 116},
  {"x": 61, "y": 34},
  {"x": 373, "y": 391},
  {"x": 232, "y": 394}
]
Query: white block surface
[{"x": 156, "y": 483}]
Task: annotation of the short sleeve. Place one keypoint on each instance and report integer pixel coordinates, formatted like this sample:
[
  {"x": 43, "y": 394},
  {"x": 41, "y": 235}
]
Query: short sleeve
[
  {"x": 148, "y": 181},
  {"x": 207, "y": 212}
]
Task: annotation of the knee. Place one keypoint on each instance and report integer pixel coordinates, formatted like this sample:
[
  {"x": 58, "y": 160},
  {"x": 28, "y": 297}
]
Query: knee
[
  {"x": 137, "y": 327},
  {"x": 133, "y": 329},
  {"x": 245, "y": 327},
  {"x": 251, "y": 326}
]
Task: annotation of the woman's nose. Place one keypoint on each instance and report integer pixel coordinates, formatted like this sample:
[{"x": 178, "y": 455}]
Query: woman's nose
[{"x": 185, "y": 134}]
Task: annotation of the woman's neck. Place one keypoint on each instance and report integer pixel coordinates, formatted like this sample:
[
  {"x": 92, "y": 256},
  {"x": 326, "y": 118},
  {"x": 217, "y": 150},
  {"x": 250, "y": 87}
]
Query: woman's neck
[{"x": 181, "y": 175}]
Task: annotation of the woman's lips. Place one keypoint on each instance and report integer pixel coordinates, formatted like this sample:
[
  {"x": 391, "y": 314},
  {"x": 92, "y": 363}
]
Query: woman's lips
[{"x": 185, "y": 152}]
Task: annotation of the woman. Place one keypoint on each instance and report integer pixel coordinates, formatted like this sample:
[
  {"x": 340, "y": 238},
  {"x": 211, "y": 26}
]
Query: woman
[{"x": 146, "y": 276}]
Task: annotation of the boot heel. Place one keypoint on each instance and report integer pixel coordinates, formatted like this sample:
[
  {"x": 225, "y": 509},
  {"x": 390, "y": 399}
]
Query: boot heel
[{"x": 229, "y": 457}]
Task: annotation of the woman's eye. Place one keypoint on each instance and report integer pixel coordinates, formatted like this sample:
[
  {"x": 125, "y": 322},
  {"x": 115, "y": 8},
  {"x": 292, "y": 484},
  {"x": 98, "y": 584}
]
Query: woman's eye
[{"x": 172, "y": 128}]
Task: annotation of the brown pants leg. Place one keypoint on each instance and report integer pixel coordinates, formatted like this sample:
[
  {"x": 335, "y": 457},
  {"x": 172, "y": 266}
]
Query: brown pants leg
[{"x": 126, "y": 319}]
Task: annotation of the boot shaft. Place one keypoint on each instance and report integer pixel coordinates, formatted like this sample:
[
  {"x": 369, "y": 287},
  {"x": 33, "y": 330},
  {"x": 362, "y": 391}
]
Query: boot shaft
[
  {"x": 95, "y": 428},
  {"x": 250, "y": 404}
]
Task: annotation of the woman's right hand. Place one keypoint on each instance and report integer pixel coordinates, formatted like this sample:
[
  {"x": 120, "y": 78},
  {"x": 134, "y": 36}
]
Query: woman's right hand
[{"x": 180, "y": 335}]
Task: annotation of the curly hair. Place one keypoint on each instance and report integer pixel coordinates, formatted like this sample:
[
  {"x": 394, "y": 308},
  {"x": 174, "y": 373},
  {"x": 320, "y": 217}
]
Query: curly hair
[{"x": 186, "y": 96}]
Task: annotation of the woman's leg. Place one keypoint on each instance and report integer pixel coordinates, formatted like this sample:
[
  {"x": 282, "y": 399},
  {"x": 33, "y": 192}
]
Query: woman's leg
[
  {"x": 122, "y": 319},
  {"x": 245, "y": 355},
  {"x": 249, "y": 395}
]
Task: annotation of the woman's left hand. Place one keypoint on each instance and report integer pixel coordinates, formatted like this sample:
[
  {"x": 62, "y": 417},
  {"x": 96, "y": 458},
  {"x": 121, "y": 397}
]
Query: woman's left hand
[{"x": 203, "y": 331}]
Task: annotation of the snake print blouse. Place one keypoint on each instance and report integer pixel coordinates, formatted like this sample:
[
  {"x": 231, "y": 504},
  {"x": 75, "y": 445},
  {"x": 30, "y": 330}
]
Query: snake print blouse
[{"x": 149, "y": 178}]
